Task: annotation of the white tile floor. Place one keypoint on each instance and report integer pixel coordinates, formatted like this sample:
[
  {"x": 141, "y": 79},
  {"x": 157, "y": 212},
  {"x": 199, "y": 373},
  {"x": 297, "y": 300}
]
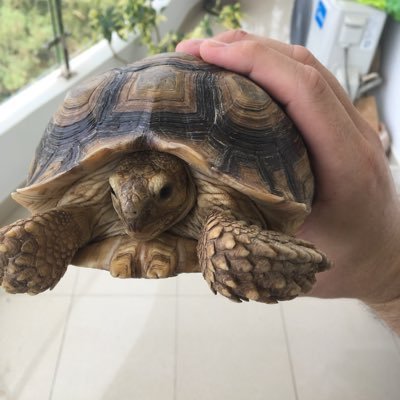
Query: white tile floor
[{"x": 95, "y": 337}]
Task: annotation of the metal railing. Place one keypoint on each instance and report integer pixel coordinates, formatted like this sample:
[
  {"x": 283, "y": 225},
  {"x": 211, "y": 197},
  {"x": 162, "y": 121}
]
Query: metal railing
[
  {"x": 38, "y": 35},
  {"x": 59, "y": 41}
]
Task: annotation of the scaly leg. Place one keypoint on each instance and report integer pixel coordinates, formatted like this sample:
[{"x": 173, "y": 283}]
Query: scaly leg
[
  {"x": 245, "y": 262},
  {"x": 125, "y": 257},
  {"x": 35, "y": 252}
]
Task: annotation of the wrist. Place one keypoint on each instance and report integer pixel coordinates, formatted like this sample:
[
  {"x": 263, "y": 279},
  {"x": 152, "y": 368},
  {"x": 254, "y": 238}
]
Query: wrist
[
  {"x": 366, "y": 258},
  {"x": 389, "y": 312},
  {"x": 382, "y": 264}
]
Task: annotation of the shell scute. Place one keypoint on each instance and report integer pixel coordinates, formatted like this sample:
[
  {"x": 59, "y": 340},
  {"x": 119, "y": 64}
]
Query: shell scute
[{"x": 220, "y": 123}]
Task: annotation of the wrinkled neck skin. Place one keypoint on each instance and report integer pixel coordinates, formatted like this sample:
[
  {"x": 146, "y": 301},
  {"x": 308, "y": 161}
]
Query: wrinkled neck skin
[
  {"x": 213, "y": 196},
  {"x": 151, "y": 192},
  {"x": 154, "y": 192}
]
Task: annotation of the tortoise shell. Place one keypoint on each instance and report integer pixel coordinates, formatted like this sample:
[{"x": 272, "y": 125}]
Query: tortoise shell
[{"x": 221, "y": 123}]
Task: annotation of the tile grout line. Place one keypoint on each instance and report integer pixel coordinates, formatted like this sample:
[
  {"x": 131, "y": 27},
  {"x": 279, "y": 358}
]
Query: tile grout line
[
  {"x": 294, "y": 383},
  {"x": 64, "y": 334}
]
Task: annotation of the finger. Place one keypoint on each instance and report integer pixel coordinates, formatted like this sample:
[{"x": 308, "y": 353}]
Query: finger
[
  {"x": 288, "y": 81},
  {"x": 303, "y": 55},
  {"x": 298, "y": 53},
  {"x": 304, "y": 93},
  {"x": 191, "y": 46}
]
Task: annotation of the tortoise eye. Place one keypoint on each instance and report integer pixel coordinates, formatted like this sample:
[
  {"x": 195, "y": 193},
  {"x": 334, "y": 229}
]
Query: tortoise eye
[{"x": 165, "y": 192}]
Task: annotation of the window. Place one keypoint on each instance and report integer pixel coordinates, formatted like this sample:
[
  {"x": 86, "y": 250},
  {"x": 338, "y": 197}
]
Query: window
[
  {"x": 25, "y": 30},
  {"x": 38, "y": 35}
]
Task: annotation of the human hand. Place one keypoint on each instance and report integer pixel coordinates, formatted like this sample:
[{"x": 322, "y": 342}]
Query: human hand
[{"x": 355, "y": 218}]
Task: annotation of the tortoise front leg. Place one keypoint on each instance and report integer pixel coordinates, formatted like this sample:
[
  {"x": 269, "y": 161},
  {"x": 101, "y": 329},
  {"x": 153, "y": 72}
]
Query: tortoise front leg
[
  {"x": 125, "y": 257},
  {"x": 243, "y": 262},
  {"x": 35, "y": 252}
]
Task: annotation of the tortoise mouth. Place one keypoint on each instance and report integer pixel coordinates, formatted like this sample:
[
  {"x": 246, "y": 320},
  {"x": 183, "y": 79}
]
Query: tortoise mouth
[{"x": 141, "y": 229}]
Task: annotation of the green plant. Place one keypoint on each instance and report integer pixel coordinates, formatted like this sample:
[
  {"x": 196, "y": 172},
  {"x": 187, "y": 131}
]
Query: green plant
[
  {"x": 19, "y": 53},
  {"x": 392, "y": 7},
  {"x": 26, "y": 31},
  {"x": 141, "y": 18}
]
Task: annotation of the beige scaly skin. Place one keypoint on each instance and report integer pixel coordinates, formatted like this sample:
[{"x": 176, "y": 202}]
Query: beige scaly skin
[
  {"x": 245, "y": 262},
  {"x": 35, "y": 252},
  {"x": 161, "y": 211}
]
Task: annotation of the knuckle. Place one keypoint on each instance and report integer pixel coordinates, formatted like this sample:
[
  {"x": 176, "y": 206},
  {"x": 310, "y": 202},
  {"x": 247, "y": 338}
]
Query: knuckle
[
  {"x": 250, "y": 52},
  {"x": 303, "y": 55},
  {"x": 312, "y": 81},
  {"x": 255, "y": 48}
]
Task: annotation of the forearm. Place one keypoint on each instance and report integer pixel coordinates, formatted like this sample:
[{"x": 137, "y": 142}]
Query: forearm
[{"x": 384, "y": 287}]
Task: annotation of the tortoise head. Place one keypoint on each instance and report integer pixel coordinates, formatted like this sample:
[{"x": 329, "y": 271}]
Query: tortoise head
[{"x": 151, "y": 191}]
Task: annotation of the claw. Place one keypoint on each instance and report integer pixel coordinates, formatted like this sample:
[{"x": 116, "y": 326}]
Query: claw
[
  {"x": 35, "y": 252},
  {"x": 248, "y": 263}
]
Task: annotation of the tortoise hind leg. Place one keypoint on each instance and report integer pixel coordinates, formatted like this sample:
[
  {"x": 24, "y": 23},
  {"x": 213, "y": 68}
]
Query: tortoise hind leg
[
  {"x": 125, "y": 257},
  {"x": 245, "y": 262},
  {"x": 35, "y": 252}
]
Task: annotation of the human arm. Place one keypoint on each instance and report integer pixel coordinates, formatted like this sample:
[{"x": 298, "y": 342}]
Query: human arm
[{"x": 356, "y": 214}]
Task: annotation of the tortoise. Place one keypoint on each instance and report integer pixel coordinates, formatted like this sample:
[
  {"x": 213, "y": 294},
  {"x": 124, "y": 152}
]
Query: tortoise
[{"x": 164, "y": 166}]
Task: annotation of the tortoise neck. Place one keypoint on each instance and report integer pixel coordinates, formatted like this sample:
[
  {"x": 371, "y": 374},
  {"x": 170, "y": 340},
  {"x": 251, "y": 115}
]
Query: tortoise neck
[{"x": 151, "y": 191}]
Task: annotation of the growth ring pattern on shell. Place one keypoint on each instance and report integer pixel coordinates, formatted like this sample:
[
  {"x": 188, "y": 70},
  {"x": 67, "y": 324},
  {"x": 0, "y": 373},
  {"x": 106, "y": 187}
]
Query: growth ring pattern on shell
[{"x": 172, "y": 99}]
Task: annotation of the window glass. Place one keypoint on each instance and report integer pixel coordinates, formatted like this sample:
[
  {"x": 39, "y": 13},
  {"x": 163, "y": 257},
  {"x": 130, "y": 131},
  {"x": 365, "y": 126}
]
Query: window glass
[
  {"x": 25, "y": 32},
  {"x": 76, "y": 19},
  {"x": 30, "y": 42}
]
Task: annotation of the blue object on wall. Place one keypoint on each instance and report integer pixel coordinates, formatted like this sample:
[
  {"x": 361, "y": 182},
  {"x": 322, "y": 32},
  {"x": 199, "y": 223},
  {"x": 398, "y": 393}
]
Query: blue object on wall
[{"x": 320, "y": 13}]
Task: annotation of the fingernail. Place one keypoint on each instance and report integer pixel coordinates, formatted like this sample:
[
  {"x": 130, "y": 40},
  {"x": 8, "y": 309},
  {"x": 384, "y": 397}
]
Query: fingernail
[{"x": 215, "y": 43}]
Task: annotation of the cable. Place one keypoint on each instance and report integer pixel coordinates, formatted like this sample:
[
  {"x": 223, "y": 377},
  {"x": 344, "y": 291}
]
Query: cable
[{"x": 346, "y": 69}]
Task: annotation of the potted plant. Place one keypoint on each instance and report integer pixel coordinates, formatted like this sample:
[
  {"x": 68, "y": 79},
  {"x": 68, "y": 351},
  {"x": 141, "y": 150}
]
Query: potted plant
[{"x": 142, "y": 18}]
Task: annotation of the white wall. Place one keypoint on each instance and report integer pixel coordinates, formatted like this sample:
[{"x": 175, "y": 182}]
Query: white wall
[
  {"x": 24, "y": 117},
  {"x": 388, "y": 95}
]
